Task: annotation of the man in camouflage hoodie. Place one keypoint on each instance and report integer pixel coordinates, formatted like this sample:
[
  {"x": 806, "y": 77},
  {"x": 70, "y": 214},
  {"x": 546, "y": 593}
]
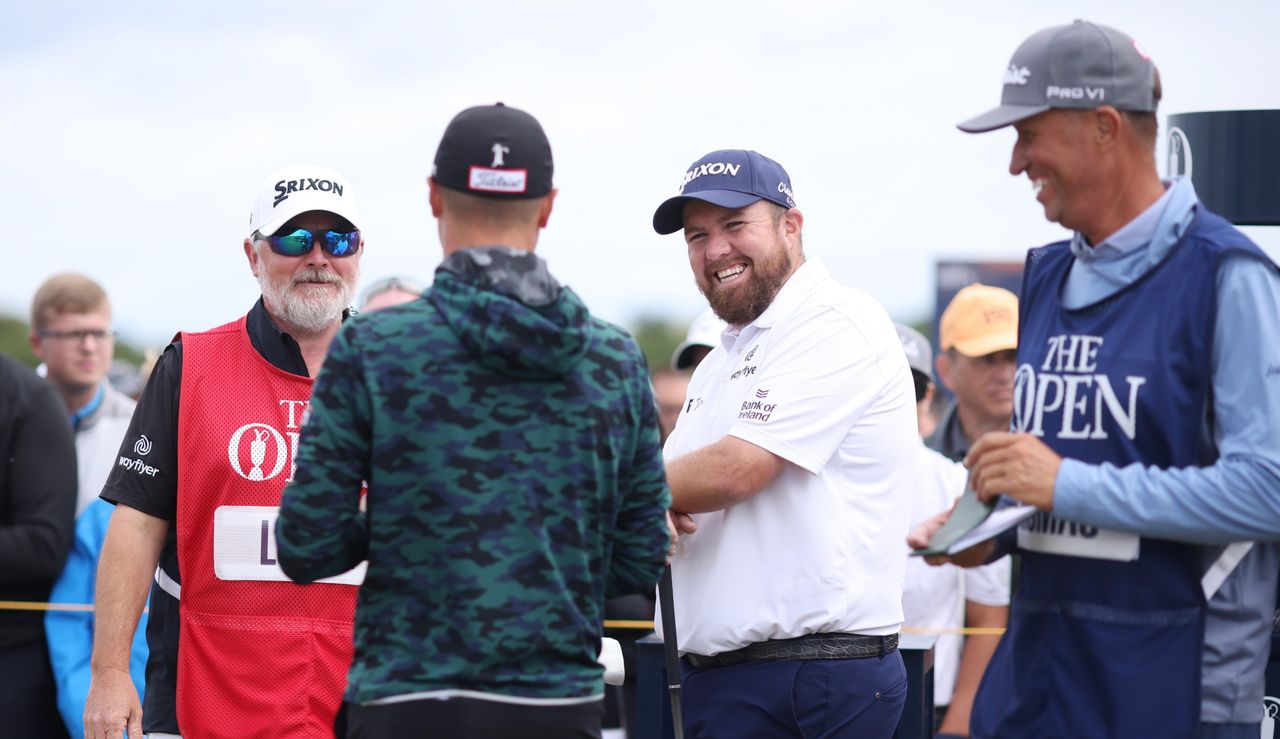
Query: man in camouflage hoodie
[{"x": 510, "y": 445}]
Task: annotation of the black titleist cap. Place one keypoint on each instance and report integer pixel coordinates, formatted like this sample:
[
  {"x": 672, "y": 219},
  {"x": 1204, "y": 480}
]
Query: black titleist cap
[{"x": 493, "y": 151}]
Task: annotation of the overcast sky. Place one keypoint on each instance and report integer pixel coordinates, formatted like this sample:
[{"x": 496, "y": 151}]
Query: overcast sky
[{"x": 132, "y": 136}]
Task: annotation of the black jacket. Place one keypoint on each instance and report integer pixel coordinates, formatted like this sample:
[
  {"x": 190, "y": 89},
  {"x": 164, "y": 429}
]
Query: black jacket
[{"x": 37, "y": 496}]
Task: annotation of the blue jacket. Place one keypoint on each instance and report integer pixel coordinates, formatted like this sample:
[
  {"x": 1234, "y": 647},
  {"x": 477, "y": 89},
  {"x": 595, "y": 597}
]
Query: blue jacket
[{"x": 70, "y": 633}]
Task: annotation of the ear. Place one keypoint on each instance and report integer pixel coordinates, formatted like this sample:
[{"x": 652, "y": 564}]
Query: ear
[
  {"x": 37, "y": 344},
  {"x": 434, "y": 198},
  {"x": 942, "y": 363},
  {"x": 1107, "y": 123},
  {"x": 544, "y": 211},
  {"x": 793, "y": 223},
  {"x": 252, "y": 255}
]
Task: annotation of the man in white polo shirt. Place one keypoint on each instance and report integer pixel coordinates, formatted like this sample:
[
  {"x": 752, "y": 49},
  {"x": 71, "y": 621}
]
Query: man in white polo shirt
[{"x": 791, "y": 476}]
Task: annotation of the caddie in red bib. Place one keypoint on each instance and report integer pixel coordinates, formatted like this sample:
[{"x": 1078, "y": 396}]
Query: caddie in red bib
[
  {"x": 247, "y": 630},
  {"x": 237, "y": 649}
]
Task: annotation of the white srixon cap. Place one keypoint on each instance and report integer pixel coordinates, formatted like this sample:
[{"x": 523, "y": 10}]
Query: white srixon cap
[
  {"x": 1082, "y": 65},
  {"x": 298, "y": 189}
]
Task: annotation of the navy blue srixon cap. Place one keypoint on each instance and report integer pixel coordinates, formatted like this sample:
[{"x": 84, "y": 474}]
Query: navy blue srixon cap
[
  {"x": 729, "y": 178},
  {"x": 495, "y": 151}
]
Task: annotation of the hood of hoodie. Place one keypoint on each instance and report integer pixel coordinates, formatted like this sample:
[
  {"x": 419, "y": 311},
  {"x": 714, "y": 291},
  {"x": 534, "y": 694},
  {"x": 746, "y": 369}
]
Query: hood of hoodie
[{"x": 510, "y": 313}]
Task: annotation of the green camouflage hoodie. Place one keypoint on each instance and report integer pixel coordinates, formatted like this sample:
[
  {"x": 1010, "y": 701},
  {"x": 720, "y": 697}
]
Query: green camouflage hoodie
[{"x": 510, "y": 444}]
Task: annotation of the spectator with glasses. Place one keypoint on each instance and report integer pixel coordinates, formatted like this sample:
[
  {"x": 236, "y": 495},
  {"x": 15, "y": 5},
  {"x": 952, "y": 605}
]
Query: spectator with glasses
[
  {"x": 216, "y": 428},
  {"x": 71, "y": 333}
]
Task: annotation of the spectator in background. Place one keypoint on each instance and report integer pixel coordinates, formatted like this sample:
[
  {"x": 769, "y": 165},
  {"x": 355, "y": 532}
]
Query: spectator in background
[
  {"x": 669, "y": 387},
  {"x": 704, "y": 334},
  {"x": 38, "y": 505},
  {"x": 948, "y": 596},
  {"x": 978, "y": 336},
  {"x": 72, "y": 335},
  {"x": 914, "y": 342},
  {"x": 390, "y": 291}
]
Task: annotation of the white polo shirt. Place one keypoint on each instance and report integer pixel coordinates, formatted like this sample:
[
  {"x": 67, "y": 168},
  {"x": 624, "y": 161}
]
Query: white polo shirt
[
  {"x": 820, "y": 380},
  {"x": 934, "y": 597}
]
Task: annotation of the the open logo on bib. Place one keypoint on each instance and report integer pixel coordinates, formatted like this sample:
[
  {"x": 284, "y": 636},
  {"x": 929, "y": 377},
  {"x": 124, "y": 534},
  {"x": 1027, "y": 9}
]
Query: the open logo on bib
[{"x": 244, "y": 547}]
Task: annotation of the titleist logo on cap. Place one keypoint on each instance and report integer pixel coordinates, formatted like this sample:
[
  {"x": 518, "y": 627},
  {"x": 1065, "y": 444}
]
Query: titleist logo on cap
[
  {"x": 487, "y": 179},
  {"x": 285, "y": 187}
]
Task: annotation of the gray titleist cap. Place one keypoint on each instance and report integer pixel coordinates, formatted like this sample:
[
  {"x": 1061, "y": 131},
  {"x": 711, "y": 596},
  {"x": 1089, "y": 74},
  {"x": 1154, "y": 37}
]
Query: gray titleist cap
[{"x": 1082, "y": 66}]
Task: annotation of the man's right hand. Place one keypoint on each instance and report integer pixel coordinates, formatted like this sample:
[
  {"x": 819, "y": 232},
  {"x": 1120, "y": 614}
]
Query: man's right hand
[
  {"x": 974, "y": 556},
  {"x": 112, "y": 705}
]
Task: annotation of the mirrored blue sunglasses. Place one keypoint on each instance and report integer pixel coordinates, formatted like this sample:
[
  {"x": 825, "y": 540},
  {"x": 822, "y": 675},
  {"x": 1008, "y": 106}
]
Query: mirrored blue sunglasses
[{"x": 300, "y": 240}]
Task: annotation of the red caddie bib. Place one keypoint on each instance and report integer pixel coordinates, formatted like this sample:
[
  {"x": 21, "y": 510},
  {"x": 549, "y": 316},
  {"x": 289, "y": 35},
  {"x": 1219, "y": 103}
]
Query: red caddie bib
[{"x": 258, "y": 655}]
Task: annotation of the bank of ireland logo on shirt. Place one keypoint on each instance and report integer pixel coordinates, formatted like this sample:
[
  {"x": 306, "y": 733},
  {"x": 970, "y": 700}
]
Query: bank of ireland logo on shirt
[{"x": 757, "y": 408}]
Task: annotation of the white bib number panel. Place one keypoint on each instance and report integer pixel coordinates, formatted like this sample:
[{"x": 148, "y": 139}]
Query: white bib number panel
[{"x": 244, "y": 547}]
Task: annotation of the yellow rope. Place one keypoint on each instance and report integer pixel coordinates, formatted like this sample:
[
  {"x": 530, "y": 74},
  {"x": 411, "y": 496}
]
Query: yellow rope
[
  {"x": 623, "y": 624},
  {"x": 22, "y": 605}
]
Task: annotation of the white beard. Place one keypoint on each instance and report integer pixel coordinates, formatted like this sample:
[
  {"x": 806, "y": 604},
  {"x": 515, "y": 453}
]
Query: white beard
[{"x": 312, "y": 315}]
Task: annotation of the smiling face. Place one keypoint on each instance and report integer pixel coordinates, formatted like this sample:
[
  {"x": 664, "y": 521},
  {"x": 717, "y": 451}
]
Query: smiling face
[
  {"x": 1055, "y": 150},
  {"x": 741, "y": 258},
  {"x": 308, "y": 293}
]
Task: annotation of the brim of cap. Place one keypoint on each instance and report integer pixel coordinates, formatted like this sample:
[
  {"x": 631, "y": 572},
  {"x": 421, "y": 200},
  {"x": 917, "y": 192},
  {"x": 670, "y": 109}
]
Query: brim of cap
[
  {"x": 669, "y": 217},
  {"x": 980, "y": 346},
  {"x": 1005, "y": 115},
  {"x": 682, "y": 357}
]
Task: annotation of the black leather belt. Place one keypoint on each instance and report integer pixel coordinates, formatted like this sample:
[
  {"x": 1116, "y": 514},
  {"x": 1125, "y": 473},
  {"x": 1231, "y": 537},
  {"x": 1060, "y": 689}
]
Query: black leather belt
[{"x": 812, "y": 646}]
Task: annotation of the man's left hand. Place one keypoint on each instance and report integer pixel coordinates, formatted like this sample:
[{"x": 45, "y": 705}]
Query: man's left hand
[{"x": 1018, "y": 465}]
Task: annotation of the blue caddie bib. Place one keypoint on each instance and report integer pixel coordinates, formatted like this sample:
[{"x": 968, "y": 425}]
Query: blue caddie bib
[{"x": 1106, "y": 629}]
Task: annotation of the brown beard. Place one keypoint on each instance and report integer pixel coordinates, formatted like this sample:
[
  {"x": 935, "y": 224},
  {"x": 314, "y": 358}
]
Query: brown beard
[{"x": 743, "y": 304}]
